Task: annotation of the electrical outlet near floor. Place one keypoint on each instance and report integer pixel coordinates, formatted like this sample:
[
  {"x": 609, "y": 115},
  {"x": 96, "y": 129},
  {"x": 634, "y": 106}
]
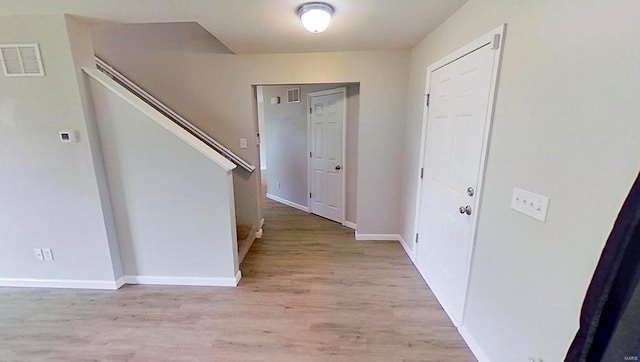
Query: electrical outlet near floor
[
  {"x": 48, "y": 254},
  {"x": 530, "y": 204},
  {"x": 38, "y": 254}
]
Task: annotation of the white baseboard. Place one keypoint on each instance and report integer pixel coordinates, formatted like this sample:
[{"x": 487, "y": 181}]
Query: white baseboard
[
  {"x": 377, "y": 237},
  {"x": 288, "y": 203},
  {"x": 351, "y": 225},
  {"x": 113, "y": 285},
  {"x": 59, "y": 283},
  {"x": 187, "y": 281},
  {"x": 475, "y": 348},
  {"x": 406, "y": 248},
  {"x": 393, "y": 237}
]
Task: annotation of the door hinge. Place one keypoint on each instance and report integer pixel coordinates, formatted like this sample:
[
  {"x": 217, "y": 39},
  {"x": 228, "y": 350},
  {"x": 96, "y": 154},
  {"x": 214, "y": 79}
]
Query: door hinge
[
  {"x": 428, "y": 98},
  {"x": 309, "y": 194},
  {"x": 496, "y": 41},
  {"x": 416, "y": 238},
  {"x": 310, "y": 155},
  {"x": 422, "y": 172},
  {"x": 310, "y": 110}
]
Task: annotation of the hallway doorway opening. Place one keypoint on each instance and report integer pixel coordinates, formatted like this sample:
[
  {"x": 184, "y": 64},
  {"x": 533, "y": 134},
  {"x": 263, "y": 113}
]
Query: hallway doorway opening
[{"x": 309, "y": 160}]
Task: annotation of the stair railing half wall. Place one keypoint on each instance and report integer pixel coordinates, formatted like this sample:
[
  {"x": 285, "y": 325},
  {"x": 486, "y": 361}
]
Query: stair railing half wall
[{"x": 175, "y": 117}]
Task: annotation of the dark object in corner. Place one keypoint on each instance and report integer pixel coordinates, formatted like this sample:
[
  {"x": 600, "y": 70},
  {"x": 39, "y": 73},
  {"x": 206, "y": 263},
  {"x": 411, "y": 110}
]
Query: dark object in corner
[{"x": 610, "y": 316}]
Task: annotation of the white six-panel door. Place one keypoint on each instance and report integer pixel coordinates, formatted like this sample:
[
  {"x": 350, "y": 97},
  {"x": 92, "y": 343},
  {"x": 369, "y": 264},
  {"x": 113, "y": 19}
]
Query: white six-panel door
[
  {"x": 456, "y": 122},
  {"x": 326, "y": 122}
]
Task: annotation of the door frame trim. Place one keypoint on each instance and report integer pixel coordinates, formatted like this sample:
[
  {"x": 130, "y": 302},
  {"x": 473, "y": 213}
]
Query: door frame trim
[
  {"x": 343, "y": 91},
  {"x": 488, "y": 39}
]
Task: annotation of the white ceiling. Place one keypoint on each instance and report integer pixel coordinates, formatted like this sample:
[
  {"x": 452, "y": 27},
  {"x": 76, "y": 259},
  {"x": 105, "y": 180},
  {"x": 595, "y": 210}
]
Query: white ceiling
[{"x": 267, "y": 26}]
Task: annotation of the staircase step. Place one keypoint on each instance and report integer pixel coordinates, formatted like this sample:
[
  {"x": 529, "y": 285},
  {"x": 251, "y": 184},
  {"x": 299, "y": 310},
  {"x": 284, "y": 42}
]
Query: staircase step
[
  {"x": 246, "y": 236},
  {"x": 243, "y": 231}
]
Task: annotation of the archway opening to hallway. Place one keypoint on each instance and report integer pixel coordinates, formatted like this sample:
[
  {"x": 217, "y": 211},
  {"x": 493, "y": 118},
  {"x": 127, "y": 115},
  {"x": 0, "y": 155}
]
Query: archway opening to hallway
[{"x": 306, "y": 159}]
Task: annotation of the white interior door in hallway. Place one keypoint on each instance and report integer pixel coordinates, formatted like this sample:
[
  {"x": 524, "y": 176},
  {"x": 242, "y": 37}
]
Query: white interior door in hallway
[
  {"x": 458, "y": 116},
  {"x": 327, "y": 113}
]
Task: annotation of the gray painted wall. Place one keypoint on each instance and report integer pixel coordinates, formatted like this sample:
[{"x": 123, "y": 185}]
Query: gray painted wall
[
  {"x": 49, "y": 191},
  {"x": 286, "y": 136},
  {"x": 175, "y": 37},
  {"x": 566, "y": 126}
]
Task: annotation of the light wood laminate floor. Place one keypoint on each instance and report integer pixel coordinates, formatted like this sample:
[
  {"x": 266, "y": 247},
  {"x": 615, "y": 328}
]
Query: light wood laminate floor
[{"x": 309, "y": 292}]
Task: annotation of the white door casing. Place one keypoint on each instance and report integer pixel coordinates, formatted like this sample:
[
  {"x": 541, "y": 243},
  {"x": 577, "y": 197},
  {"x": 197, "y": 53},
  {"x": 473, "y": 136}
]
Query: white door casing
[
  {"x": 461, "y": 90},
  {"x": 327, "y": 114}
]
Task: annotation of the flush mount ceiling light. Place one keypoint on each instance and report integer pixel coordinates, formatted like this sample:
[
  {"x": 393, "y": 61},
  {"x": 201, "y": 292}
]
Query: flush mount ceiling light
[{"x": 315, "y": 16}]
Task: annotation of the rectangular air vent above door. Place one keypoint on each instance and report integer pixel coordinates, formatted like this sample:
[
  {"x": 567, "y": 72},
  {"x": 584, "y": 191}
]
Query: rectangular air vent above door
[
  {"x": 293, "y": 95},
  {"x": 21, "y": 60}
]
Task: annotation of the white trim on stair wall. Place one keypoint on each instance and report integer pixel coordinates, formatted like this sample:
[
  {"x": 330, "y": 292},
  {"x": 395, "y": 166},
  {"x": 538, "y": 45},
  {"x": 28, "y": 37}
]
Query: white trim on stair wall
[
  {"x": 160, "y": 118},
  {"x": 287, "y": 202}
]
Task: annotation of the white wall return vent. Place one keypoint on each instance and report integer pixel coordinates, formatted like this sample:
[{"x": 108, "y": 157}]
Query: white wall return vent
[
  {"x": 293, "y": 95},
  {"x": 21, "y": 60}
]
